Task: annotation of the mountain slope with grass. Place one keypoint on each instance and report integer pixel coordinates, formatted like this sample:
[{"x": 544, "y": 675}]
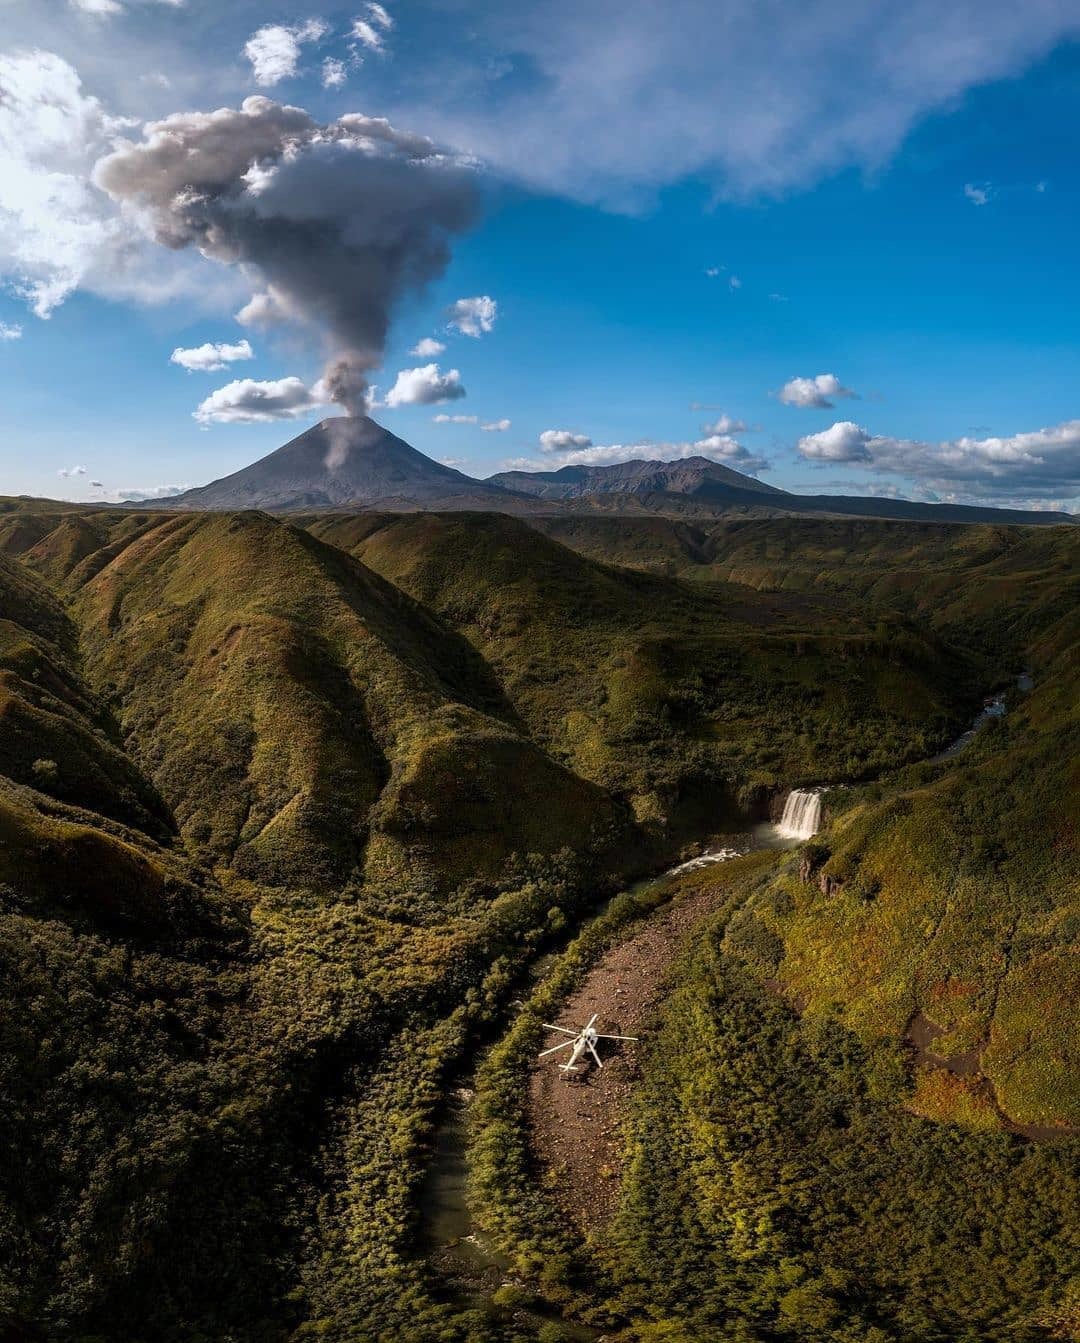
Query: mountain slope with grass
[
  {"x": 308, "y": 721},
  {"x": 325, "y": 788},
  {"x": 678, "y": 699}
]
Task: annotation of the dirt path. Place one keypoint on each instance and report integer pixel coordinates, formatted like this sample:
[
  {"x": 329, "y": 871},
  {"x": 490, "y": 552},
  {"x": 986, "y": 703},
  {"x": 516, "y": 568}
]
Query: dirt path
[{"x": 574, "y": 1126}]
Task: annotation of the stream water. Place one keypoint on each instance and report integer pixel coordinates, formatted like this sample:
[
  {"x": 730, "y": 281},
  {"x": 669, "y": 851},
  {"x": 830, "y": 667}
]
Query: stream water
[{"x": 470, "y": 1267}]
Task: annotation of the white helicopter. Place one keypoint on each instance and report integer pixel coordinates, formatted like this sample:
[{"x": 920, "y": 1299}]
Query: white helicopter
[{"x": 581, "y": 1042}]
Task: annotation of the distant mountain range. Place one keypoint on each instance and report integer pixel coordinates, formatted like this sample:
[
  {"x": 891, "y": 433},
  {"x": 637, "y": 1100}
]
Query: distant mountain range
[
  {"x": 347, "y": 463},
  {"x": 688, "y": 476}
]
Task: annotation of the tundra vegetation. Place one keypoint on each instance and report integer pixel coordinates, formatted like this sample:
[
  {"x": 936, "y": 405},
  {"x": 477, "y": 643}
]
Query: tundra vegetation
[{"x": 287, "y": 808}]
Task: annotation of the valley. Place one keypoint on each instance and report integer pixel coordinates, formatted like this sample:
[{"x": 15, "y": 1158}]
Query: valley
[{"x": 296, "y": 807}]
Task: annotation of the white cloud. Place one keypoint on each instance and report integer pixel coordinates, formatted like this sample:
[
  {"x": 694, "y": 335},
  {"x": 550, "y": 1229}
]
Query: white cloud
[
  {"x": 246, "y": 401},
  {"x": 1040, "y": 464},
  {"x": 53, "y": 227},
  {"x": 725, "y": 424},
  {"x": 334, "y": 73},
  {"x": 815, "y": 393},
  {"x": 274, "y": 51},
  {"x": 473, "y": 316},
  {"x": 844, "y": 441},
  {"x": 107, "y": 8},
  {"x": 67, "y": 472},
  {"x": 778, "y": 298},
  {"x": 139, "y": 493},
  {"x": 269, "y": 308},
  {"x": 620, "y": 100},
  {"x": 454, "y": 419},
  {"x": 428, "y": 348},
  {"x": 734, "y": 283},
  {"x": 713, "y": 271},
  {"x": 563, "y": 440},
  {"x": 10, "y": 331},
  {"x": 368, "y": 32},
  {"x": 452, "y": 461},
  {"x": 978, "y": 193},
  {"x": 57, "y": 232},
  {"x": 210, "y": 357},
  {"x": 378, "y": 14},
  {"x": 718, "y": 447},
  {"x": 425, "y": 386},
  {"x": 496, "y": 426}
]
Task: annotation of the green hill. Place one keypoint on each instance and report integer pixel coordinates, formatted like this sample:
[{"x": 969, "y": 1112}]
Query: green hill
[
  {"x": 677, "y": 698},
  {"x": 287, "y": 811}
]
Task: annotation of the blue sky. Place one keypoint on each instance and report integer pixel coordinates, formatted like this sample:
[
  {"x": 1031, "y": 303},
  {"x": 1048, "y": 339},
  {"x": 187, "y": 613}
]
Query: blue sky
[{"x": 684, "y": 206}]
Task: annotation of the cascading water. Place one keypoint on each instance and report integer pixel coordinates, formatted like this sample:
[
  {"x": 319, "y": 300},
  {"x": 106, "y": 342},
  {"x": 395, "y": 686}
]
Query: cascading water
[{"x": 802, "y": 814}]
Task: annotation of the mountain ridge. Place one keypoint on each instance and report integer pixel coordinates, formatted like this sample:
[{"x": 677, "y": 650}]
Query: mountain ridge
[{"x": 351, "y": 462}]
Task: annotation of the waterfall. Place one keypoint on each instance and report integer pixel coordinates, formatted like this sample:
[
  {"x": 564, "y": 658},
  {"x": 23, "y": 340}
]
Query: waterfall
[{"x": 802, "y": 814}]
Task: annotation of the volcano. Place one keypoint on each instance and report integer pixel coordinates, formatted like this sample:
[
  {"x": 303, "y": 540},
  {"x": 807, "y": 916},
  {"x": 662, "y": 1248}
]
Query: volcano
[{"x": 344, "y": 460}]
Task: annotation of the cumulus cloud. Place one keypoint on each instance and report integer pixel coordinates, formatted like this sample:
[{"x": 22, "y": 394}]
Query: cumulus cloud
[
  {"x": 246, "y": 401},
  {"x": 844, "y": 441},
  {"x": 1040, "y": 464},
  {"x": 496, "y": 426},
  {"x": 334, "y": 73},
  {"x": 10, "y": 331},
  {"x": 472, "y": 316},
  {"x": 578, "y": 450},
  {"x": 137, "y": 494},
  {"x": 455, "y": 419},
  {"x": 56, "y": 232},
  {"x": 978, "y": 193},
  {"x": 274, "y": 51},
  {"x": 338, "y": 221},
  {"x": 52, "y": 226},
  {"x": 210, "y": 357},
  {"x": 563, "y": 440},
  {"x": 428, "y": 348},
  {"x": 734, "y": 283},
  {"x": 819, "y": 393},
  {"x": 67, "y": 472},
  {"x": 713, "y": 271},
  {"x": 725, "y": 424},
  {"x": 425, "y": 386}
]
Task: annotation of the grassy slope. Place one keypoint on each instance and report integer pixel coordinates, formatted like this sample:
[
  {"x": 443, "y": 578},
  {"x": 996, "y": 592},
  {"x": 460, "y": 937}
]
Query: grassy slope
[
  {"x": 307, "y": 721},
  {"x": 230, "y": 1083},
  {"x": 954, "y": 892},
  {"x": 776, "y": 1190},
  {"x": 666, "y": 695}
]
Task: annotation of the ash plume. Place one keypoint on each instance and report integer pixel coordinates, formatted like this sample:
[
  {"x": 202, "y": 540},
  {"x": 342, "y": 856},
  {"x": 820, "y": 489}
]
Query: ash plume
[{"x": 335, "y": 222}]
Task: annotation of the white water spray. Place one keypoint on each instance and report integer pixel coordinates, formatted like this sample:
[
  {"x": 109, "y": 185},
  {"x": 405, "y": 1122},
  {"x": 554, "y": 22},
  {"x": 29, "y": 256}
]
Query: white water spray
[{"x": 802, "y": 815}]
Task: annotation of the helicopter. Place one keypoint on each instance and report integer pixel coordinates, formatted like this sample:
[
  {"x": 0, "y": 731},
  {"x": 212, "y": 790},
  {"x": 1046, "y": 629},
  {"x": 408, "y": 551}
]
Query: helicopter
[{"x": 581, "y": 1041}]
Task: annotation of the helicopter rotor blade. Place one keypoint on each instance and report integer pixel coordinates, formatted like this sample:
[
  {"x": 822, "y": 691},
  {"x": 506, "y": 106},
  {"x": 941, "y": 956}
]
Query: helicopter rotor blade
[
  {"x": 616, "y": 1037},
  {"x": 566, "y": 1044},
  {"x": 592, "y": 1019},
  {"x": 596, "y": 1056},
  {"x": 548, "y": 1026}
]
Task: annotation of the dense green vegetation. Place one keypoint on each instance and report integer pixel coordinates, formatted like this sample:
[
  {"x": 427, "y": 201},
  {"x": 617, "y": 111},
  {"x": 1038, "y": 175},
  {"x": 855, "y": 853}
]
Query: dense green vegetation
[
  {"x": 779, "y": 1189},
  {"x": 286, "y": 812},
  {"x": 671, "y": 695}
]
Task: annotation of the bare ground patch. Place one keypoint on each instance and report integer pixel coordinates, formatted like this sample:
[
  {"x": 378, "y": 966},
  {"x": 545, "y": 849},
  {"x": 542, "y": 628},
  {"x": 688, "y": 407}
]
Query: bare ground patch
[{"x": 575, "y": 1126}]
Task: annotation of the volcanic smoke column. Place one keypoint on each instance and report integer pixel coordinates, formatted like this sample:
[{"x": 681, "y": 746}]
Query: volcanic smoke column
[{"x": 336, "y": 222}]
